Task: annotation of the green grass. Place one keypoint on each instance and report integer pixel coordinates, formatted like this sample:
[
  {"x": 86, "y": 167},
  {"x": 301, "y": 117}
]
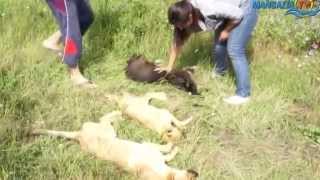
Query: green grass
[{"x": 275, "y": 136}]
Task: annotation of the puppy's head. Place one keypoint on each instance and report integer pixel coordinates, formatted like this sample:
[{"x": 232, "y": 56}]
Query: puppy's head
[
  {"x": 171, "y": 135},
  {"x": 183, "y": 175},
  {"x": 182, "y": 79}
]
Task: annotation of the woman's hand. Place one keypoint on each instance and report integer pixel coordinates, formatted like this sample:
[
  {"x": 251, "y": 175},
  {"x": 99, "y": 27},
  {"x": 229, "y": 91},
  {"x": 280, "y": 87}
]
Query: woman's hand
[
  {"x": 224, "y": 35},
  {"x": 161, "y": 69}
]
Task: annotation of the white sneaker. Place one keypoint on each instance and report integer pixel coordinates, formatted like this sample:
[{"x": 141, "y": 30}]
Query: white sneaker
[{"x": 236, "y": 100}]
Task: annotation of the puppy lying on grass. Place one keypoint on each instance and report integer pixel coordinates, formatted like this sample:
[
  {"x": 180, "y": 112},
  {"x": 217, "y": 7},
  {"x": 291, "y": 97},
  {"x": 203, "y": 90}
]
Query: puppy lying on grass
[
  {"x": 145, "y": 160},
  {"x": 160, "y": 120},
  {"x": 140, "y": 69}
]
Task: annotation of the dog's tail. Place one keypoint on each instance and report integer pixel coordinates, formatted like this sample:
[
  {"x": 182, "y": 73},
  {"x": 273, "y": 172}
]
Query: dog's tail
[
  {"x": 182, "y": 123},
  {"x": 72, "y": 135}
]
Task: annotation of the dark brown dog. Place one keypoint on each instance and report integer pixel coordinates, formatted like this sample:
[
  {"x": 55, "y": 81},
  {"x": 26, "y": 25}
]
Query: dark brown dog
[{"x": 141, "y": 70}]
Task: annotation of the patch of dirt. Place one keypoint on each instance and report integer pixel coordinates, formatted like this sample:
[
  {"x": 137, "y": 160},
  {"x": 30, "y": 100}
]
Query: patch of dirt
[
  {"x": 304, "y": 113},
  {"x": 236, "y": 150}
]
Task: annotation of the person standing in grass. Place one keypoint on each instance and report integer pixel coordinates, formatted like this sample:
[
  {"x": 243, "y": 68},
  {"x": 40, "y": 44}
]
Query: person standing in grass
[
  {"x": 74, "y": 18},
  {"x": 233, "y": 21}
]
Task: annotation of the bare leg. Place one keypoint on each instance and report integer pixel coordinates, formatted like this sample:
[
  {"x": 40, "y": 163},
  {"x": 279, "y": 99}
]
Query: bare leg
[
  {"x": 53, "y": 42},
  {"x": 78, "y": 79}
]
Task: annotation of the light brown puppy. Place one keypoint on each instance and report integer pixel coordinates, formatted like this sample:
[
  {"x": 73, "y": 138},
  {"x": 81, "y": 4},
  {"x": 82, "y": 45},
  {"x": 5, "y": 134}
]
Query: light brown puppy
[
  {"x": 158, "y": 119},
  {"x": 145, "y": 160}
]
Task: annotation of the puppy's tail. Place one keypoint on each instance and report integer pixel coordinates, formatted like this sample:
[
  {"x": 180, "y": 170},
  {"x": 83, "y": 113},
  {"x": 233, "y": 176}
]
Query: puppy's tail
[
  {"x": 73, "y": 135},
  {"x": 182, "y": 123}
]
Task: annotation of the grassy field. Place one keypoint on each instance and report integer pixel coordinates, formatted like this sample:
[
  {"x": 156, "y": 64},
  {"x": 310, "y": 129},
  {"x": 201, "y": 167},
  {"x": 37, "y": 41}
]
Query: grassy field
[{"x": 275, "y": 136}]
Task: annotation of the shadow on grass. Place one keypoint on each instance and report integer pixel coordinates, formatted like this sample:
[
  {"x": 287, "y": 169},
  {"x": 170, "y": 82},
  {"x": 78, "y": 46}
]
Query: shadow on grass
[
  {"x": 197, "y": 51},
  {"x": 100, "y": 37}
]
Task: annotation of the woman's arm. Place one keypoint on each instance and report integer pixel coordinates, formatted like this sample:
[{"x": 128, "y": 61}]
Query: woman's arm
[
  {"x": 174, "y": 52},
  {"x": 180, "y": 37}
]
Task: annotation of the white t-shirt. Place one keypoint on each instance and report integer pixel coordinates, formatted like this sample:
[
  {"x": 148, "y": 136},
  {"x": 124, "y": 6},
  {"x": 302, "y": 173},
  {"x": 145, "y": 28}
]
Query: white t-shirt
[{"x": 215, "y": 10}]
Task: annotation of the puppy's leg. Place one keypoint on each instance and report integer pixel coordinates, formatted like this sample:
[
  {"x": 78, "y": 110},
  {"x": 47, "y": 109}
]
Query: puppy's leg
[
  {"x": 162, "y": 148},
  {"x": 171, "y": 155},
  {"x": 64, "y": 134},
  {"x": 182, "y": 123},
  {"x": 111, "y": 117}
]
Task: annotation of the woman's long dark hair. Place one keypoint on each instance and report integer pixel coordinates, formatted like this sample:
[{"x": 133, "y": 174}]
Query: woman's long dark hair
[{"x": 179, "y": 12}]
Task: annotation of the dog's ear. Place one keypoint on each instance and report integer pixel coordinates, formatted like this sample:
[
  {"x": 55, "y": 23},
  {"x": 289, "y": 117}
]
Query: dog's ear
[
  {"x": 191, "y": 85},
  {"x": 193, "y": 89},
  {"x": 192, "y": 174}
]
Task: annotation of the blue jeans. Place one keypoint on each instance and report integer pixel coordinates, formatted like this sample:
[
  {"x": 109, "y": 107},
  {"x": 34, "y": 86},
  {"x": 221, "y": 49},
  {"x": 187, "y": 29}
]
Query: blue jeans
[{"x": 235, "y": 47}]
